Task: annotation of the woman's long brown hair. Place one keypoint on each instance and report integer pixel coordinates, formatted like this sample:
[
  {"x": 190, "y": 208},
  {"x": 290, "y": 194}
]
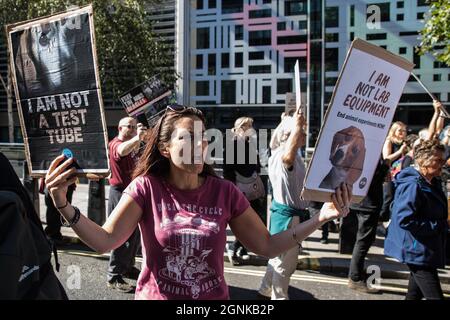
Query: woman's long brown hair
[{"x": 152, "y": 162}]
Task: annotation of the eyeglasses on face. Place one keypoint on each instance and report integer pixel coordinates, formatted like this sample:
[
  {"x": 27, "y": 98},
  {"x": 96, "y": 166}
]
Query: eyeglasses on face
[{"x": 129, "y": 126}]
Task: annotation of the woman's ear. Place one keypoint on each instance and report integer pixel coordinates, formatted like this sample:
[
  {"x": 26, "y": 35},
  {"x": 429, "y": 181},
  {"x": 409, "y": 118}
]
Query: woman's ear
[{"x": 164, "y": 150}]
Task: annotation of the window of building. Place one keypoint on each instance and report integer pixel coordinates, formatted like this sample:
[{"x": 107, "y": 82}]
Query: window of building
[
  {"x": 292, "y": 8},
  {"x": 266, "y": 97},
  {"x": 228, "y": 88},
  {"x": 331, "y": 59},
  {"x": 352, "y": 15},
  {"x": 202, "y": 88},
  {"x": 258, "y": 55},
  {"x": 409, "y": 33},
  {"x": 438, "y": 64},
  {"x": 422, "y": 3},
  {"x": 281, "y": 26},
  {"x": 212, "y": 4},
  {"x": 238, "y": 60},
  {"x": 239, "y": 32},
  {"x": 302, "y": 24},
  {"x": 376, "y": 36},
  {"x": 292, "y": 39},
  {"x": 264, "y": 13},
  {"x": 232, "y": 6},
  {"x": 352, "y": 36},
  {"x": 225, "y": 60},
  {"x": 202, "y": 38},
  {"x": 448, "y": 77},
  {"x": 416, "y": 60},
  {"x": 400, "y": 4},
  {"x": 199, "y": 64},
  {"x": 385, "y": 9},
  {"x": 420, "y": 15},
  {"x": 402, "y": 50},
  {"x": 289, "y": 64},
  {"x": 260, "y": 69},
  {"x": 327, "y": 97},
  {"x": 384, "y": 47},
  {"x": 437, "y": 77},
  {"x": 330, "y": 81},
  {"x": 400, "y": 17},
  {"x": 284, "y": 85},
  {"x": 211, "y": 64},
  {"x": 331, "y": 17},
  {"x": 332, "y": 37},
  {"x": 267, "y": 1},
  {"x": 199, "y": 4},
  {"x": 260, "y": 38}
]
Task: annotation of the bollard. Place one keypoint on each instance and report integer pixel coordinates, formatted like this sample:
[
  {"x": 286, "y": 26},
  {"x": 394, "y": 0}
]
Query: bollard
[
  {"x": 96, "y": 202},
  {"x": 32, "y": 187}
]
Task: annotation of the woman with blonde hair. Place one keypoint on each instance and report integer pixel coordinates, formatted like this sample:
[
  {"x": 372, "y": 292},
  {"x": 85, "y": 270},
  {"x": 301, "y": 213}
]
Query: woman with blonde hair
[
  {"x": 243, "y": 172},
  {"x": 394, "y": 146},
  {"x": 243, "y": 127}
]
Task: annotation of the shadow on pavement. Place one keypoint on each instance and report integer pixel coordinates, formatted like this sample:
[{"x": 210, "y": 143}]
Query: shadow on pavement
[{"x": 247, "y": 294}]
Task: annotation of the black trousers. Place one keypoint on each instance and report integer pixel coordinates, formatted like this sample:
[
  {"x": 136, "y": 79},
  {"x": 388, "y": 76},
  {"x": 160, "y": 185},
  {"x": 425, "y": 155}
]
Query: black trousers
[
  {"x": 365, "y": 236},
  {"x": 424, "y": 283},
  {"x": 53, "y": 217},
  {"x": 388, "y": 197},
  {"x": 122, "y": 258},
  {"x": 257, "y": 205}
]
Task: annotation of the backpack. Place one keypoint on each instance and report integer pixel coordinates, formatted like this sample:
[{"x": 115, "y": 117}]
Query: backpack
[{"x": 26, "y": 271}]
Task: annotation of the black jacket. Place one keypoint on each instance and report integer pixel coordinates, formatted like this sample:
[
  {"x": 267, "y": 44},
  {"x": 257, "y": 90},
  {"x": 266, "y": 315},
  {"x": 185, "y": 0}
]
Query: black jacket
[{"x": 25, "y": 268}]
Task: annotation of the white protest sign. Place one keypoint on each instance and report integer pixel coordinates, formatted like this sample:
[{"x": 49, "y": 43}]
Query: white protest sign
[
  {"x": 290, "y": 105},
  {"x": 298, "y": 91},
  {"x": 357, "y": 121}
]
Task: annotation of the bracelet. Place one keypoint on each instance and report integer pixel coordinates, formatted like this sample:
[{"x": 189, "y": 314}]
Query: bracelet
[
  {"x": 294, "y": 236},
  {"x": 59, "y": 208},
  {"x": 74, "y": 220}
]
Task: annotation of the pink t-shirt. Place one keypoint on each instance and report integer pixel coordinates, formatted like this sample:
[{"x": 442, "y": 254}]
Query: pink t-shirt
[{"x": 183, "y": 237}]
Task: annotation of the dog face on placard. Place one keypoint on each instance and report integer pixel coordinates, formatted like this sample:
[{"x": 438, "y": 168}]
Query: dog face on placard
[
  {"x": 45, "y": 59},
  {"x": 347, "y": 156}
]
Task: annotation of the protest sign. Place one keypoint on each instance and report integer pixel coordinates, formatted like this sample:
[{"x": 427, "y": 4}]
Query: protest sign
[
  {"x": 298, "y": 91},
  {"x": 357, "y": 121},
  {"x": 149, "y": 98},
  {"x": 290, "y": 104},
  {"x": 56, "y": 83}
]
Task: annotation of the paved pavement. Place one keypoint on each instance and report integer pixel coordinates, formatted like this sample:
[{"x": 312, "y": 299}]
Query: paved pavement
[
  {"x": 83, "y": 276},
  {"x": 315, "y": 256}
]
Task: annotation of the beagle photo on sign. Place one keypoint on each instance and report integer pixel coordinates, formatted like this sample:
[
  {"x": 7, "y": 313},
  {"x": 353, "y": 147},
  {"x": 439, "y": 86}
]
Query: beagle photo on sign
[{"x": 347, "y": 155}]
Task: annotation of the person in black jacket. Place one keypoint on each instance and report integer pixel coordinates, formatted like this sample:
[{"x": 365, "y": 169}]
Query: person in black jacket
[
  {"x": 367, "y": 213},
  {"x": 25, "y": 268},
  {"x": 242, "y": 136}
]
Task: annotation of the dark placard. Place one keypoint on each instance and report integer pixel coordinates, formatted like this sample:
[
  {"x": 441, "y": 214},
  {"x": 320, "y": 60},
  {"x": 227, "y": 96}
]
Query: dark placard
[
  {"x": 57, "y": 90},
  {"x": 148, "y": 98}
]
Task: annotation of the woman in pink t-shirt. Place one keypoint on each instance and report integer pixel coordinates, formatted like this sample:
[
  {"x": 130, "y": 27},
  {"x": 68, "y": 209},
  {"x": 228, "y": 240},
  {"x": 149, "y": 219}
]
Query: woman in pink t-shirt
[{"x": 182, "y": 209}]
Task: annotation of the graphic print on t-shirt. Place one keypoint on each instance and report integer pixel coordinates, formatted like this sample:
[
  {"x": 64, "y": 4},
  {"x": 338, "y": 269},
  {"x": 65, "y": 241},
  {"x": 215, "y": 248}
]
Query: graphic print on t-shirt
[{"x": 186, "y": 270}]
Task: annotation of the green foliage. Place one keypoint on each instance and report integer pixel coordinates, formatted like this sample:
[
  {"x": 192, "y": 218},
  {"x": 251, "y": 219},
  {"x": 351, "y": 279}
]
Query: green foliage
[
  {"x": 128, "y": 51},
  {"x": 437, "y": 31}
]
